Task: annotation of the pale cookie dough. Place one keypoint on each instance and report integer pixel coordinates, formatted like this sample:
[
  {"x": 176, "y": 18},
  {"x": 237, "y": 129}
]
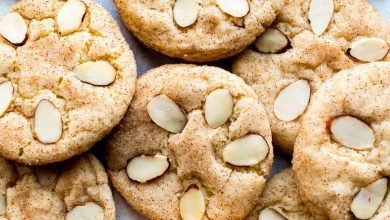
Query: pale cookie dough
[
  {"x": 289, "y": 62},
  {"x": 198, "y": 31},
  {"x": 281, "y": 201},
  {"x": 202, "y": 168},
  {"x": 341, "y": 157},
  {"x": 73, "y": 190},
  {"x": 67, "y": 77}
]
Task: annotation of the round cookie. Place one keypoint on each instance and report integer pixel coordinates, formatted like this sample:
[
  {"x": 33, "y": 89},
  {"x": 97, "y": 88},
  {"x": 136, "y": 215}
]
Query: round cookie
[
  {"x": 341, "y": 156},
  {"x": 281, "y": 201},
  {"x": 181, "y": 152},
  {"x": 198, "y": 31},
  {"x": 290, "y": 61},
  {"x": 75, "y": 189},
  {"x": 67, "y": 77}
]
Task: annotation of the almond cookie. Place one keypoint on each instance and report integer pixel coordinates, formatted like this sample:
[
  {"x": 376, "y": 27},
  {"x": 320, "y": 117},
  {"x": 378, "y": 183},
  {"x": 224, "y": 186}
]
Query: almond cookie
[
  {"x": 341, "y": 158},
  {"x": 281, "y": 201},
  {"x": 73, "y": 190},
  {"x": 300, "y": 51},
  {"x": 195, "y": 144},
  {"x": 198, "y": 31},
  {"x": 67, "y": 77}
]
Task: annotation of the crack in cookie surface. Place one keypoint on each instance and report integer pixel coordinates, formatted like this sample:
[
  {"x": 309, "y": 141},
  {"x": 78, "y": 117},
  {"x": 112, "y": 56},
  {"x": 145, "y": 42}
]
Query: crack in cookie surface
[
  {"x": 43, "y": 67},
  {"x": 51, "y": 192},
  {"x": 195, "y": 154}
]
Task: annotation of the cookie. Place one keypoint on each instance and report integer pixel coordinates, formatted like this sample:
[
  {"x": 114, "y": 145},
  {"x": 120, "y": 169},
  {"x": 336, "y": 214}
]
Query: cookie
[
  {"x": 291, "y": 60},
  {"x": 75, "y": 189},
  {"x": 198, "y": 31},
  {"x": 281, "y": 201},
  {"x": 67, "y": 77},
  {"x": 181, "y": 152},
  {"x": 341, "y": 157}
]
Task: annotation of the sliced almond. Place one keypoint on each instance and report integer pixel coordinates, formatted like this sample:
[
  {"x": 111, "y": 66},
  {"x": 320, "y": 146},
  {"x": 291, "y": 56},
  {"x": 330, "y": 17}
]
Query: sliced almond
[
  {"x": 320, "y": 15},
  {"x": 97, "y": 73},
  {"x": 166, "y": 114},
  {"x": 13, "y": 28},
  {"x": 235, "y": 8},
  {"x": 369, "y": 49},
  {"x": 352, "y": 132},
  {"x": 270, "y": 214},
  {"x": 6, "y": 96},
  {"x": 272, "y": 41},
  {"x": 89, "y": 211},
  {"x": 246, "y": 151},
  {"x": 185, "y": 12},
  {"x": 2, "y": 205},
  {"x": 48, "y": 122},
  {"x": 368, "y": 200},
  {"x": 292, "y": 101},
  {"x": 192, "y": 204},
  {"x": 46, "y": 175},
  {"x": 218, "y": 107},
  {"x": 143, "y": 168},
  {"x": 70, "y": 16}
]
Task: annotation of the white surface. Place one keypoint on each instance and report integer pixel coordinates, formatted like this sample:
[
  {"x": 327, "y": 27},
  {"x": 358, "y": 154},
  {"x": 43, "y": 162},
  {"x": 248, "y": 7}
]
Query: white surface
[{"x": 147, "y": 59}]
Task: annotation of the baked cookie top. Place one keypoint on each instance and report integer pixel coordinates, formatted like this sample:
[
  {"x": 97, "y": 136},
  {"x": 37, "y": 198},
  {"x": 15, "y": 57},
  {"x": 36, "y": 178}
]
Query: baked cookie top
[
  {"x": 341, "y": 157},
  {"x": 66, "y": 79},
  {"x": 289, "y": 62},
  {"x": 198, "y": 31},
  {"x": 75, "y": 189},
  {"x": 195, "y": 144},
  {"x": 280, "y": 200}
]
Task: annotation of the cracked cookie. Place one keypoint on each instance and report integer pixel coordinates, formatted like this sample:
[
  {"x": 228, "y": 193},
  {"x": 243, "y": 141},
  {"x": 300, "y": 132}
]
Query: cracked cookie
[
  {"x": 67, "y": 77},
  {"x": 74, "y": 189},
  {"x": 195, "y": 144},
  {"x": 280, "y": 201},
  {"x": 341, "y": 157},
  {"x": 309, "y": 42},
  {"x": 198, "y": 31}
]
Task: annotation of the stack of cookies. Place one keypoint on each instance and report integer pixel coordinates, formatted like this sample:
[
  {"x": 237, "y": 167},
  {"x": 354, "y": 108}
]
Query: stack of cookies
[{"x": 308, "y": 78}]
